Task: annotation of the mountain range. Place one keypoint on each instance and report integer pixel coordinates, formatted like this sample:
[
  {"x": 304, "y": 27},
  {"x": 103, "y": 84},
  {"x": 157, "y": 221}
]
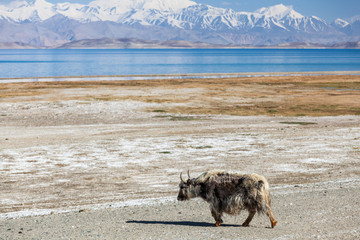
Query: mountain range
[{"x": 42, "y": 24}]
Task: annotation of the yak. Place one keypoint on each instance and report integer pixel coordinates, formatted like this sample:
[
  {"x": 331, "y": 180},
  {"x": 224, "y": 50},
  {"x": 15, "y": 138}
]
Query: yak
[{"x": 229, "y": 193}]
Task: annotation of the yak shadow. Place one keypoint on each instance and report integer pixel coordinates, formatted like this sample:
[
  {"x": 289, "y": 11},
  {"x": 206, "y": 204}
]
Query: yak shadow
[{"x": 181, "y": 223}]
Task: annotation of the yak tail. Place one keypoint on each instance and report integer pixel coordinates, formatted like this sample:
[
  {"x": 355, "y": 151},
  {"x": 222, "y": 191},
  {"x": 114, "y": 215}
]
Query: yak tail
[{"x": 264, "y": 201}]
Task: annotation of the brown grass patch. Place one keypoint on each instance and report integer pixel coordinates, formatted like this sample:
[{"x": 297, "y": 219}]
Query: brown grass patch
[{"x": 275, "y": 96}]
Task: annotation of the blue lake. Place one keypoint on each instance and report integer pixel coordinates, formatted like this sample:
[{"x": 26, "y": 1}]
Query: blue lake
[{"x": 94, "y": 62}]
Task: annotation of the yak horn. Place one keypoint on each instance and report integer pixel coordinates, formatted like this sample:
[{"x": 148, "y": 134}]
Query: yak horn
[
  {"x": 189, "y": 174},
  {"x": 182, "y": 180}
]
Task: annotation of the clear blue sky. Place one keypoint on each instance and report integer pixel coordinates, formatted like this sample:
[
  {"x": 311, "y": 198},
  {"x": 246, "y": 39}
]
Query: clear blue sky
[{"x": 326, "y": 9}]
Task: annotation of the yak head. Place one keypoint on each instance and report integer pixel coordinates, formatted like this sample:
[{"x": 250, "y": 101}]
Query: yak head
[{"x": 188, "y": 189}]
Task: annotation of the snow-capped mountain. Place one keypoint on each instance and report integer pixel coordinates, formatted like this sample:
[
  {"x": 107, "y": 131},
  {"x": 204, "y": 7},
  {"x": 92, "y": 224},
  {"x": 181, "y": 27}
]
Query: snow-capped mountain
[
  {"x": 350, "y": 27},
  {"x": 39, "y": 22},
  {"x": 98, "y": 10},
  {"x": 30, "y": 10}
]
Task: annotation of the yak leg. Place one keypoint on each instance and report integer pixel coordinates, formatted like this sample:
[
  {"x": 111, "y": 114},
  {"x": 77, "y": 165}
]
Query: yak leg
[
  {"x": 217, "y": 217},
  {"x": 249, "y": 218},
  {"x": 271, "y": 217}
]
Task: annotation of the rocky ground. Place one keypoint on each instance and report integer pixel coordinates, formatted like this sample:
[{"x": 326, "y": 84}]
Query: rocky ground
[{"x": 101, "y": 160}]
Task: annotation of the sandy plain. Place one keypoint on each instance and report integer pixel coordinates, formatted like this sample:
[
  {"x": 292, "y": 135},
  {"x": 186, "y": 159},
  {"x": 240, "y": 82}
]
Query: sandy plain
[{"x": 101, "y": 159}]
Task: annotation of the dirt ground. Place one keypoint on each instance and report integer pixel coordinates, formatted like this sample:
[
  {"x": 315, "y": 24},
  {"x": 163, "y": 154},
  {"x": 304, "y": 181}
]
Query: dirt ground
[
  {"x": 101, "y": 159},
  {"x": 311, "y": 211}
]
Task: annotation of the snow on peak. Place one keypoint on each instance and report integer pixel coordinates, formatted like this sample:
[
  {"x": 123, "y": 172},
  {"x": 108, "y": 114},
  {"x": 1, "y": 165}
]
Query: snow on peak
[
  {"x": 32, "y": 4},
  {"x": 167, "y": 5},
  {"x": 36, "y": 10},
  {"x": 126, "y": 5},
  {"x": 354, "y": 19},
  {"x": 279, "y": 11},
  {"x": 341, "y": 22},
  {"x": 97, "y": 10},
  {"x": 115, "y": 10}
]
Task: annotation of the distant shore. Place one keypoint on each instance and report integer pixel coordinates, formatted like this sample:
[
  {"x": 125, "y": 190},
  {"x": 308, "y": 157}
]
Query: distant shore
[
  {"x": 132, "y": 43},
  {"x": 174, "y": 76}
]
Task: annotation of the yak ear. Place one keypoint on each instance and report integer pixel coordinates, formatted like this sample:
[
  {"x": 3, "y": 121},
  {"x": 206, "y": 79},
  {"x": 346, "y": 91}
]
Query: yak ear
[{"x": 192, "y": 182}]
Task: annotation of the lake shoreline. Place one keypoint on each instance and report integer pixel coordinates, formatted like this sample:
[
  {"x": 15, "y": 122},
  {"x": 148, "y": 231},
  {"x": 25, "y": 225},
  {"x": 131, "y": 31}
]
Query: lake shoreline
[{"x": 173, "y": 76}]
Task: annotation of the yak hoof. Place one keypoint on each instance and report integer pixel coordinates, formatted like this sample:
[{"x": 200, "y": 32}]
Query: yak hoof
[
  {"x": 273, "y": 224},
  {"x": 217, "y": 224}
]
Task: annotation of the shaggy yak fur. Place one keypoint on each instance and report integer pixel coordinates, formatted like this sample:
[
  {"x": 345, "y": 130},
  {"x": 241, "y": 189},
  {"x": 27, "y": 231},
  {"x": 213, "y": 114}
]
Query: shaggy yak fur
[{"x": 229, "y": 193}]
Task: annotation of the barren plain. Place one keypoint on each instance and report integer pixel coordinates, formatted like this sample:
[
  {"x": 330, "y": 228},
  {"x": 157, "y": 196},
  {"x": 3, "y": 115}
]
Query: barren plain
[{"x": 101, "y": 159}]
